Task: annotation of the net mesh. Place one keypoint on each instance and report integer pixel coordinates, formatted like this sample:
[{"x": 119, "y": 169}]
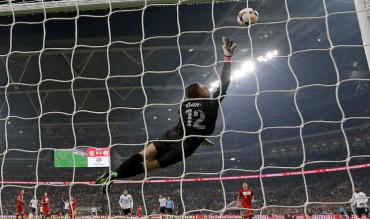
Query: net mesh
[{"x": 294, "y": 122}]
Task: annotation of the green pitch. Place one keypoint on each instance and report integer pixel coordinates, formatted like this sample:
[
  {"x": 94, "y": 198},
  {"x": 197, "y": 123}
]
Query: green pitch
[{"x": 64, "y": 158}]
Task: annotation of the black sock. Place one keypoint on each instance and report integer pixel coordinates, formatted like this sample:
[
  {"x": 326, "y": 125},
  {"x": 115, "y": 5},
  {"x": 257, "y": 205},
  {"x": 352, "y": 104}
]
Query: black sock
[{"x": 131, "y": 167}]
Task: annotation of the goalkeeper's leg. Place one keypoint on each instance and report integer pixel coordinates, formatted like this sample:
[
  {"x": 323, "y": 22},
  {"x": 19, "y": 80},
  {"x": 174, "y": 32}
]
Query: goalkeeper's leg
[
  {"x": 135, "y": 165},
  {"x": 131, "y": 167},
  {"x": 158, "y": 155}
]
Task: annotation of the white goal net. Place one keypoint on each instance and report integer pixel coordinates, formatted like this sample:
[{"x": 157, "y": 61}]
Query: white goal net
[
  {"x": 85, "y": 84},
  {"x": 87, "y": 212}
]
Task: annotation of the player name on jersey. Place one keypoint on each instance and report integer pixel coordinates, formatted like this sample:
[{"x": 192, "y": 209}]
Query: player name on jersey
[{"x": 192, "y": 104}]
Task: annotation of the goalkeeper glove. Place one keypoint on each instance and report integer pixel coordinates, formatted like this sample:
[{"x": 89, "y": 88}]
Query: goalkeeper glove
[{"x": 228, "y": 46}]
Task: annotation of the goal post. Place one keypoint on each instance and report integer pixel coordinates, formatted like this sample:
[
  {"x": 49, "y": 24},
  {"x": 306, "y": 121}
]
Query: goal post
[
  {"x": 35, "y": 7},
  {"x": 363, "y": 16}
]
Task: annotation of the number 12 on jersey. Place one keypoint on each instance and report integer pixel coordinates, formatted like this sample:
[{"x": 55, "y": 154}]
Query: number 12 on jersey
[{"x": 197, "y": 115}]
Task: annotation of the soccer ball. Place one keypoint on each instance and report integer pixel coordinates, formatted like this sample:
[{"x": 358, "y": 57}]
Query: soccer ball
[{"x": 247, "y": 16}]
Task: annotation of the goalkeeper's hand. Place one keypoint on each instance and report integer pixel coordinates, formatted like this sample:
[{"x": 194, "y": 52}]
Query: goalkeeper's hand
[
  {"x": 207, "y": 142},
  {"x": 228, "y": 46}
]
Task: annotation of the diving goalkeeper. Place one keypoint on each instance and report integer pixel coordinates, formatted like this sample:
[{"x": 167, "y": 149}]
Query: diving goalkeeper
[{"x": 199, "y": 118}]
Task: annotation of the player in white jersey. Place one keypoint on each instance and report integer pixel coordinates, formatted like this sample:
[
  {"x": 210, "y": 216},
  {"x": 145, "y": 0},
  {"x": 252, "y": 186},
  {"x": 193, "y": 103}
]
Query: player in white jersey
[
  {"x": 360, "y": 201},
  {"x": 162, "y": 204},
  {"x": 33, "y": 207},
  {"x": 66, "y": 207},
  {"x": 126, "y": 203}
]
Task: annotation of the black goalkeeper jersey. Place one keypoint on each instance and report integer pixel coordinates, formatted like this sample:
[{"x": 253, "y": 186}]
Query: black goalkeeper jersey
[{"x": 199, "y": 116}]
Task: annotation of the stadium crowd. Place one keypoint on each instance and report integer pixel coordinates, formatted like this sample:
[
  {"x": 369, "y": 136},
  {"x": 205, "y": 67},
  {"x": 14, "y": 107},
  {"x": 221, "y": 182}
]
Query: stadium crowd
[
  {"x": 290, "y": 191},
  {"x": 204, "y": 195}
]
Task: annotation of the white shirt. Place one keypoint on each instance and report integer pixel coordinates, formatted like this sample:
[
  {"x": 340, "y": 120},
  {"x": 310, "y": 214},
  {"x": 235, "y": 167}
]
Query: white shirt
[
  {"x": 162, "y": 202},
  {"x": 126, "y": 202},
  {"x": 33, "y": 203},
  {"x": 66, "y": 205},
  {"x": 360, "y": 200}
]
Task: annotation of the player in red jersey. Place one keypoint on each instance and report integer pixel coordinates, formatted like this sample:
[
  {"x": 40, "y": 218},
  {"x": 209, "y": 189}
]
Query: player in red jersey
[
  {"x": 72, "y": 211},
  {"x": 246, "y": 197},
  {"x": 139, "y": 212},
  {"x": 20, "y": 204},
  {"x": 45, "y": 206}
]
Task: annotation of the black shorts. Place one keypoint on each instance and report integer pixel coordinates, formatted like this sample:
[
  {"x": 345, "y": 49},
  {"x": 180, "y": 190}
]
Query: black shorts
[
  {"x": 169, "y": 153},
  {"x": 361, "y": 211},
  {"x": 169, "y": 211},
  {"x": 126, "y": 211},
  {"x": 162, "y": 210},
  {"x": 33, "y": 210}
]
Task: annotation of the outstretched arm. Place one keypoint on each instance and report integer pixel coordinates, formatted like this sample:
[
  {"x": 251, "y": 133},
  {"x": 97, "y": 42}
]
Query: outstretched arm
[
  {"x": 228, "y": 46},
  {"x": 120, "y": 201}
]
